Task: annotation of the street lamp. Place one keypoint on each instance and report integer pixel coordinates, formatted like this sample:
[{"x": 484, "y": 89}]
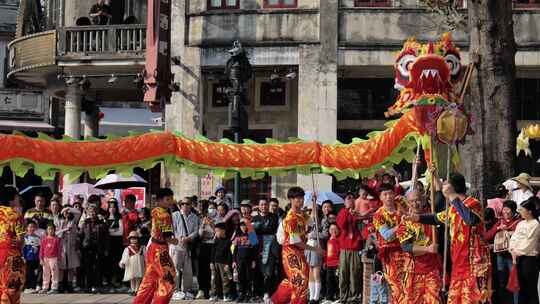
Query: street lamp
[{"x": 238, "y": 72}]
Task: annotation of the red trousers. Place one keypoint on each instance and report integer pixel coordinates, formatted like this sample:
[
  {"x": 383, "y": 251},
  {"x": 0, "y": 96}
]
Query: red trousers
[
  {"x": 12, "y": 276},
  {"x": 294, "y": 289},
  {"x": 472, "y": 290},
  {"x": 423, "y": 288},
  {"x": 157, "y": 285},
  {"x": 394, "y": 274}
]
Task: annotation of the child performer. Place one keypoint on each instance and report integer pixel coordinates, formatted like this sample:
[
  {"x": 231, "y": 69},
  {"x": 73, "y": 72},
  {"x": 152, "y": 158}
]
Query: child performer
[{"x": 133, "y": 262}]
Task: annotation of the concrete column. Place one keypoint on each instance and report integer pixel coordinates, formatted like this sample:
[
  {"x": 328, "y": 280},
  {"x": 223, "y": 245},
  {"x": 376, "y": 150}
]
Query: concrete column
[
  {"x": 183, "y": 112},
  {"x": 317, "y": 89},
  {"x": 72, "y": 123}
]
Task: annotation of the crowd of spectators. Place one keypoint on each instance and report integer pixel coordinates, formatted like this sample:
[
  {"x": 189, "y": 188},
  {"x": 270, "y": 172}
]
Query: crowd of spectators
[{"x": 227, "y": 254}]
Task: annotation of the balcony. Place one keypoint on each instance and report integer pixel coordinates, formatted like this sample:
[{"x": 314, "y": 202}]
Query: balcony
[
  {"x": 35, "y": 59},
  {"x": 111, "y": 41},
  {"x": 32, "y": 55}
]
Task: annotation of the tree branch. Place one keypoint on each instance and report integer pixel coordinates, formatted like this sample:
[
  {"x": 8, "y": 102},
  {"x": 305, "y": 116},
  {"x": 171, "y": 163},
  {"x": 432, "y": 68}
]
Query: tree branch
[{"x": 454, "y": 18}]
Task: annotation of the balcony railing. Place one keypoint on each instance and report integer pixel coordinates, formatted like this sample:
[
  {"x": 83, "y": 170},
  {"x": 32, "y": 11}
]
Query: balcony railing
[
  {"x": 32, "y": 51},
  {"x": 89, "y": 40}
]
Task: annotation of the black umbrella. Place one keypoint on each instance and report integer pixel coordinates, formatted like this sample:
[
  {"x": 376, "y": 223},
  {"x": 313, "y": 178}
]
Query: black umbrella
[
  {"x": 29, "y": 193},
  {"x": 32, "y": 191}
]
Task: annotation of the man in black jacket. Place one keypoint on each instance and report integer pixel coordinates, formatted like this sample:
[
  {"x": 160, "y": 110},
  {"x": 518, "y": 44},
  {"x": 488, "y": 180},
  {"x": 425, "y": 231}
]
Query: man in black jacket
[
  {"x": 266, "y": 225},
  {"x": 220, "y": 267},
  {"x": 100, "y": 13},
  {"x": 95, "y": 248}
]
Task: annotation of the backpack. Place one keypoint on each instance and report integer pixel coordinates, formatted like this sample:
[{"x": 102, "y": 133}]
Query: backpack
[{"x": 30, "y": 253}]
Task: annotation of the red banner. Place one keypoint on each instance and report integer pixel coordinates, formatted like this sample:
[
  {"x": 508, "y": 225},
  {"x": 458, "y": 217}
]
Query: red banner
[
  {"x": 139, "y": 193},
  {"x": 207, "y": 186},
  {"x": 157, "y": 71}
]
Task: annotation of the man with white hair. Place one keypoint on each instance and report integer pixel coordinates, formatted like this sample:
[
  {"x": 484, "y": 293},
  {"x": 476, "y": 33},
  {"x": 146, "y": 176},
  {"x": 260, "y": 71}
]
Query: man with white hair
[
  {"x": 471, "y": 266},
  {"x": 423, "y": 274}
]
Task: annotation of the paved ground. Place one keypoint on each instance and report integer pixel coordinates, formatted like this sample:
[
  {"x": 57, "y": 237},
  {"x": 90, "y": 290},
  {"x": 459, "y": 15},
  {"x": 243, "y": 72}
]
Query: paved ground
[{"x": 88, "y": 299}]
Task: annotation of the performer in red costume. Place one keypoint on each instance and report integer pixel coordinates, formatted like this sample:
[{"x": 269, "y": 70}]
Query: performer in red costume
[
  {"x": 158, "y": 285},
  {"x": 423, "y": 281},
  {"x": 471, "y": 269},
  {"x": 12, "y": 266},
  {"x": 294, "y": 289},
  {"x": 387, "y": 220}
]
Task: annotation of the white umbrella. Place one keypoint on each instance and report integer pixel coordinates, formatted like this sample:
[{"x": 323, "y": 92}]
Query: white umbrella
[
  {"x": 85, "y": 189},
  {"x": 321, "y": 197},
  {"x": 116, "y": 181}
]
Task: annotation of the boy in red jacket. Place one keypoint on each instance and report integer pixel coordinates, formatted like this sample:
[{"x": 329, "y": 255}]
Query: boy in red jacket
[{"x": 332, "y": 262}]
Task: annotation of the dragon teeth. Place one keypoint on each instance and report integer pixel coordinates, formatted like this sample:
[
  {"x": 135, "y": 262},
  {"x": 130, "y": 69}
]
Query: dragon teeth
[{"x": 429, "y": 73}]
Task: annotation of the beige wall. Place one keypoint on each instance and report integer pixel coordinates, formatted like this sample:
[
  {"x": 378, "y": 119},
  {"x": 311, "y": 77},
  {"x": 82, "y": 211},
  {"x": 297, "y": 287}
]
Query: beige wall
[
  {"x": 395, "y": 3},
  {"x": 182, "y": 114},
  {"x": 253, "y": 28},
  {"x": 380, "y": 28},
  {"x": 389, "y": 28},
  {"x": 283, "y": 122},
  {"x": 199, "y": 6},
  {"x": 385, "y": 28},
  {"x": 75, "y": 9}
]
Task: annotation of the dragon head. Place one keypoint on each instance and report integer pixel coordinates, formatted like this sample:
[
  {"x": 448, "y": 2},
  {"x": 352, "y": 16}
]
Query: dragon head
[
  {"x": 426, "y": 73},
  {"x": 431, "y": 68}
]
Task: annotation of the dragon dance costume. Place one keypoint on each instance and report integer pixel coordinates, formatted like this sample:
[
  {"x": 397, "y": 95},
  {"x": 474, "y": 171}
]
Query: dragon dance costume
[
  {"x": 12, "y": 266},
  {"x": 470, "y": 281},
  {"x": 392, "y": 256},
  {"x": 422, "y": 280},
  {"x": 158, "y": 283},
  {"x": 293, "y": 289}
]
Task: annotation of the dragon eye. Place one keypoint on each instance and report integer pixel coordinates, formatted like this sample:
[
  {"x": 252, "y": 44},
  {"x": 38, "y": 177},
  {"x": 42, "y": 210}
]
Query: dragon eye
[
  {"x": 404, "y": 64},
  {"x": 454, "y": 64}
]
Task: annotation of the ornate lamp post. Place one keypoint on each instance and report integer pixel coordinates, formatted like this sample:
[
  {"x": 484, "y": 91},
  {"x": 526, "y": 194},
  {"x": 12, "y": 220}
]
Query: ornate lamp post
[{"x": 238, "y": 72}]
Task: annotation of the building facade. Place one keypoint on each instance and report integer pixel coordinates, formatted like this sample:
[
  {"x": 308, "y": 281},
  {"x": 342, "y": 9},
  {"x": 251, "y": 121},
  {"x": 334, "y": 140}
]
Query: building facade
[
  {"x": 79, "y": 65},
  {"x": 88, "y": 76},
  {"x": 323, "y": 70},
  {"x": 20, "y": 108},
  {"x": 341, "y": 56}
]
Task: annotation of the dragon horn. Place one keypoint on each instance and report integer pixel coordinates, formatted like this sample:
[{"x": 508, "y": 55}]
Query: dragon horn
[{"x": 431, "y": 48}]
